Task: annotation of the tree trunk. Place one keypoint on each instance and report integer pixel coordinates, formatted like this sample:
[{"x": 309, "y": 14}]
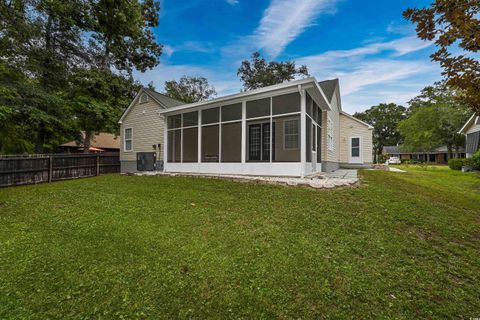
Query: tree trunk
[
  {"x": 449, "y": 150},
  {"x": 87, "y": 141},
  {"x": 40, "y": 140}
]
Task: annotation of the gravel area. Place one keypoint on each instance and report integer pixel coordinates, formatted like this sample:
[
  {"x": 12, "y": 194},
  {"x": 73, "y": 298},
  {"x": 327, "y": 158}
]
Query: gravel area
[{"x": 339, "y": 178}]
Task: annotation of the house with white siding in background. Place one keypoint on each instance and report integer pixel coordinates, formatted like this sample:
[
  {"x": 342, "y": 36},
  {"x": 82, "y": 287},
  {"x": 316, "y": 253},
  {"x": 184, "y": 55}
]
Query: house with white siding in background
[
  {"x": 296, "y": 128},
  {"x": 471, "y": 130}
]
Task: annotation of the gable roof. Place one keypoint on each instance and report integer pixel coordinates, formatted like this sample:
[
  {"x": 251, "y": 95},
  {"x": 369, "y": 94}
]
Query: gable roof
[
  {"x": 472, "y": 120},
  {"x": 310, "y": 84},
  {"x": 164, "y": 101},
  {"x": 328, "y": 87},
  {"x": 355, "y": 119}
]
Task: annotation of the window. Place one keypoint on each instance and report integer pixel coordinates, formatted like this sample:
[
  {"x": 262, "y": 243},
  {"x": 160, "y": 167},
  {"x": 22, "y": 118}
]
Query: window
[
  {"x": 144, "y": 98},
  {"x": 355, "y": 147},
  {"x": 259, "y": 141},
  {"x": 329, "y": 134},
  {"x": 174, "y": 139},
  {"x": 128, "y": 140},
  {"x": 291, "y": 134}
]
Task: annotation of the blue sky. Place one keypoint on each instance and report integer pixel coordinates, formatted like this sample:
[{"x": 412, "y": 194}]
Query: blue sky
[{"x": 366, "y": 44}]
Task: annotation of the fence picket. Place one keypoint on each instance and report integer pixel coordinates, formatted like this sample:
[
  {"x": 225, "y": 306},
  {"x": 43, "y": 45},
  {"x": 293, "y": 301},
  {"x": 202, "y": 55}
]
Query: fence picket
[{"x": 30, "y": 169}]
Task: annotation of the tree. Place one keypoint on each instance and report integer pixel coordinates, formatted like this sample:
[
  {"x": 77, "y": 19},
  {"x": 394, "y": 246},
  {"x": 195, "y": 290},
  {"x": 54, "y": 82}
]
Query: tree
[
  {"x": 384, "y": 118},
  {"x": 450, "y": 23},
  {"x": 190, "y": 89},
  {"x": 433, "y": 126},
  {"x": 438, "y": 93},
  {"x": 121, "y": 34},
  {"x": 97, "y": 99},
  {"x": 44, "y": 40},
  {"x": 259, "y": 73}
]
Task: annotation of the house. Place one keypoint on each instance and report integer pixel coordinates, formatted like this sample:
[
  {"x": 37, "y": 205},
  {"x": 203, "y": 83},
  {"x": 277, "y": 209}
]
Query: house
[
  {"x": 438, "y": 155},
  {"x": 291, "y": 129},
  {"x": 102, "y": 142},
  {"x": 471, "y": 130}
]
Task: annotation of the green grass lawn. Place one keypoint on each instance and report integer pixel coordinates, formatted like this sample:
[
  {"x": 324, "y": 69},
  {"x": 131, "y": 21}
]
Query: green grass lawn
[{"x": 402, "y": 245}]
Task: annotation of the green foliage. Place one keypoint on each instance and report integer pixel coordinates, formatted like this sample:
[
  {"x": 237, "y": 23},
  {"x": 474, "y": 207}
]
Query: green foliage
[
  {"x": 384, "y": 118},
  {"x": 114, "y": 247},
  {"x": 456, "y": 164},
  {"x": 434, "y": 119},
  {"x": 55, "y": 71},
  {"x": 453, "y": 24},
  {"x": 190, "y": 89},
  {"x": 121, "y": 34},
  {"x": 474, "y": 161},
  {"x": 259, "y": 73}
]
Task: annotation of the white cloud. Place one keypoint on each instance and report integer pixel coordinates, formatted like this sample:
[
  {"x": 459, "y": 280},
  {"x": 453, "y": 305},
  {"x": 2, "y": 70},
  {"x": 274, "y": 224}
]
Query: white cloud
[
  {"x": 168, "y": 50},
  {"x": 232, "y": 2},
  {"x": 284, "y": 20},
  {"x": 194, "y": 46},
  {"x": 368, "y": 78}
]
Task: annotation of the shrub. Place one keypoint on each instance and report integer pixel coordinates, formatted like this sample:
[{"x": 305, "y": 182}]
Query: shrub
[
  {"x": 456, "y": 164},
  {"x": 474, "y": 161}
]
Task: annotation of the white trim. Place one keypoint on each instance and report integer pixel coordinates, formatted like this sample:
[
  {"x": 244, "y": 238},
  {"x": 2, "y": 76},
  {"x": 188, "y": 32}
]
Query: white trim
[
  {"x": 303, "y": 83},
  {"x": 249, "y": 168},
  {"x": 360, "y": 150},
  {"x": 125, "y": 140},
  {"x": 467, "y": 124},
  {"x": 303, "y": 137},
  {"x": 355, "y": 119}
]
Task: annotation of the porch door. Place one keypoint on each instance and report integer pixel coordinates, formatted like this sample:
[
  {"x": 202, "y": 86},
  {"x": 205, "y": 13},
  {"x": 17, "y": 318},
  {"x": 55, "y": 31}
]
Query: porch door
[{"x": 355, "y": 150}]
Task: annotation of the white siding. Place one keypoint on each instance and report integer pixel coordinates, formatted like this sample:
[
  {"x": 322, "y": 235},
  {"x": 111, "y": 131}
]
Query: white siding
[
  {"x": 334, "y": 115},
  {"x": 147, "y": 125},
  {"x": 352, "y": 128}
]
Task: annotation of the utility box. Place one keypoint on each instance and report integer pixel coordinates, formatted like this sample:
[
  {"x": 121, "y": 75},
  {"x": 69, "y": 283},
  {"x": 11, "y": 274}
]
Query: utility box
[{"x": 146, "y": 161}]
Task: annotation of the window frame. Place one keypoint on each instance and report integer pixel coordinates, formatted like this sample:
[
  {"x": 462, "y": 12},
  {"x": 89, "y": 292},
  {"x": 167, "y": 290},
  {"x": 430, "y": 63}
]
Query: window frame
[
  {"x": 125, "y": 139},
  {"x": 141, "y": 101},
  {"x": 297, "y": 120}
]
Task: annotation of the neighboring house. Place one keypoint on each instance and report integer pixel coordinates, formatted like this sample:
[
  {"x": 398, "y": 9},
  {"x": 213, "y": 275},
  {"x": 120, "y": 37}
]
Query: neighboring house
[
  {"x": 290, "y": 129},
  {"x": 102, "y": 142},
  {"x": 438, "y": 155},
  {"x": 471, "y": 130}
]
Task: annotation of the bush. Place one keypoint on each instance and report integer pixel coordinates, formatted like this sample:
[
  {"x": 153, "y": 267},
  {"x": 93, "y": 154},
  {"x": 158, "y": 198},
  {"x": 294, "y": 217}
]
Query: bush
[
  {"x": 474, "y": 161},
  {"x": 456, "y": 164}
]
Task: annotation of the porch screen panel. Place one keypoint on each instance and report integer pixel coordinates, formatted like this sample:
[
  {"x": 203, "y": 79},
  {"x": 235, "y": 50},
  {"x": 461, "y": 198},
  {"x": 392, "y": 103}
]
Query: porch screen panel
[
  {"x": 258, "y": 108},
  {"x": 232, "y": 112},
  {"x": 286, "y": 103},
  {"x": 287, "y": 139},
  {"x": 319, "y": 144},
  {"x": 473, "y": 142},
  {"x": 210, "y": 143},
  {"x": 232, "y": 142},
  {"x": 174, "y": 145},
  {"x": 308, "y": 145},
  {"x": 190, "y": 145}
]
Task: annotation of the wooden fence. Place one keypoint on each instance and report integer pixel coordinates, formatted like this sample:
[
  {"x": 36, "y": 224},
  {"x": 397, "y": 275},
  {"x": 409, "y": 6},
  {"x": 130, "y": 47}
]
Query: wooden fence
[{"x": 30, "y": 169}]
